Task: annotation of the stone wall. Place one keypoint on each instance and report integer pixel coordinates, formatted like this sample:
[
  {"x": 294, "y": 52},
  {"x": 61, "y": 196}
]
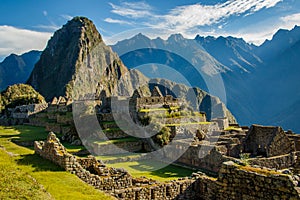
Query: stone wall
[
  {"x": 278, "y": 162},
  {"x": 247, "y": 183},
  {"x": 116, "y": 182},
  {"x": 233, "y": 181}
]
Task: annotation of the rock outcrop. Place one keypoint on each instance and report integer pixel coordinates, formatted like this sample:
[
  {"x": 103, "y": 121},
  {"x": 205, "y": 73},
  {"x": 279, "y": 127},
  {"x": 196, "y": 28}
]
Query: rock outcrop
[{"x": 76, "y": 45}]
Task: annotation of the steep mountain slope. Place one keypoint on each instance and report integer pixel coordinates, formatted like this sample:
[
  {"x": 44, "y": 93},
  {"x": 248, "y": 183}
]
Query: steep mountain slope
[
  {"x": 232, "y": 52},
  {"x": 16, "y": 69},
  {"x": 281, "y": 41},
  {"x": 277, "y": 88},
  {"x": 76, "y": 46},
  {"x": 185, "y": 56}
]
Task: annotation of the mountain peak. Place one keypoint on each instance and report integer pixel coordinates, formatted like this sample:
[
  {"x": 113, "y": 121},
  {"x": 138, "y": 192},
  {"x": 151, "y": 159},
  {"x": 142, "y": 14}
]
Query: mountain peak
[
  {"x": 176, "y": 37},
  {"x": 73, "y": 48}
]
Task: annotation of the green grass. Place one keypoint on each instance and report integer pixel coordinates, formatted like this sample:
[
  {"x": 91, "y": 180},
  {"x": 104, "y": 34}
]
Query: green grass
[
  {"x": 233, "y": 128},
  {"x": 17, "y": 184},
  {"x": 73, "y": 148},
  {"x": 146, "y": 167},
  {"x": 59, "y": 183},
  {"x": 115, "y": 141},
  {"x": 158, "y": 109},
  {"x": 29, "y": 133},
  {"x": 113, "y": 157}
]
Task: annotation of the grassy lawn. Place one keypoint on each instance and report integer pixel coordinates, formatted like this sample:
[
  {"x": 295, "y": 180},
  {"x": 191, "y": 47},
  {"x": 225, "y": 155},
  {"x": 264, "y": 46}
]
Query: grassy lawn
[
  {"x": 58, "y": 183},
  {"x": 112, "y": 157},
  {"x": 29, "y": 133},
  {"x": 17, "y": 184},
  {"x": 146, "y": 167},
  {"x": 115, "y": 141}
]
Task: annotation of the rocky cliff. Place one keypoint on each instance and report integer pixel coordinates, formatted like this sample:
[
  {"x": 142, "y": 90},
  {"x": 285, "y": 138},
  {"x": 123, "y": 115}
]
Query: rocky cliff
[{"x": 75, "y": 46}]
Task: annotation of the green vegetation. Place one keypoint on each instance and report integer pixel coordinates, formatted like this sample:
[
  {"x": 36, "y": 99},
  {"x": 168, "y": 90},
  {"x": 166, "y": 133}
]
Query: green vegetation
[
  {"x": 19, "y": 94},
  {"x": 189, "y": 123},
  {"x": 17, "y": 184},
  {"x": 146, "y": 167},
  {"x": 58, "y": 183},
  {"x": 233, "y": 128},
  {"x": 120, "y": 140},
  {"x": 159, "y": 109},
  {"x": 265, "y": 172},
  {"x": 113, "y": 157},
  {"x": 24, "y": 133},
  {"x": 245, "y": 158},
  {"x": 163, "y": 136}
]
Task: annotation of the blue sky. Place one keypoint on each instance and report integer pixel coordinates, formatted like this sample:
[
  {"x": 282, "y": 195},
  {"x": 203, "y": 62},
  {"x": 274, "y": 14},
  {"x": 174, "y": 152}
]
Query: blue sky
[{"x": 26, "y": 25}]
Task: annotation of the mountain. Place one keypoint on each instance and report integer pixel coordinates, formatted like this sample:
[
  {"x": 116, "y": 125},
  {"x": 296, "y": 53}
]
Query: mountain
[
  {"x": 74, "y": 49},
  {"x": 276, "y": 85},
  {"x": 176, "y": 45},
  {"x": 260, "y": 82},
  {"x": 232, "y": 52},
  {"x": 77, "y": 63},
  {"x": 16, "y": 69},
  {"x": 280, "y": 42},
  {"x": 216, "y": 65}
]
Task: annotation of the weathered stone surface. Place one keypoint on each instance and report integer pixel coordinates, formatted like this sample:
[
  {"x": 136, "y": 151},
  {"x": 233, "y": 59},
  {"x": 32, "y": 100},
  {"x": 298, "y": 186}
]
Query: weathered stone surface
[{"x": 233, "y": 182}]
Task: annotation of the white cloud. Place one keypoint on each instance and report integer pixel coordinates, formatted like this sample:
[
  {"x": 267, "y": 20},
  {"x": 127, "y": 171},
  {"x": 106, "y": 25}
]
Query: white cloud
[
  {"x": 45, "y": 13},
  {"x": 186, "y": 17},
  {"x": 290, "y": 21},
  {"x": 67, "y": 17},
  {"x": 132, "y": 9},
  {"x": 15, "y": 40},
  {"x": 189, "y": 19},
  {"x": 50, "y": 28},
  {"x": 116, "y": 21}
]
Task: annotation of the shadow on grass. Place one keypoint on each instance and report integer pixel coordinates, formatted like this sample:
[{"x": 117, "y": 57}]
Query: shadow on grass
[
  {"x": 31, "y": 133},
  {"x": 38, "y": 163},
  {"x": 166, "y": 172}
]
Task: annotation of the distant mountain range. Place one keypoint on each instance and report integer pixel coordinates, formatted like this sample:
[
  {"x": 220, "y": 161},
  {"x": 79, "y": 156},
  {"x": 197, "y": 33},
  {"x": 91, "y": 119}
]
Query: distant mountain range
[
  {"x": 261, "y": 82},
  {"x": 16, "y": 69}
]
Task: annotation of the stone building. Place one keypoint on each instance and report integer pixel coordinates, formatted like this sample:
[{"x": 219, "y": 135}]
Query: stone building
[
  {"x": 156, "y": 100},
  {"x": 24, "y": 111},
  {"x": 60, "y": 104},
  {"x": 267, "y": 141}
]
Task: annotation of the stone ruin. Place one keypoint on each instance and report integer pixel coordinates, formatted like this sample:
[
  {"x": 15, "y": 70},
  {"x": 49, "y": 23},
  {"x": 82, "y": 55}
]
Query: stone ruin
[{"x": 233, "y": 181}]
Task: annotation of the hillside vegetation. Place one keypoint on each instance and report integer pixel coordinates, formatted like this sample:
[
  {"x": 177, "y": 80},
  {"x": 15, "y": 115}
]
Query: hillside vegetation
[{"x": 19, "y": 94}]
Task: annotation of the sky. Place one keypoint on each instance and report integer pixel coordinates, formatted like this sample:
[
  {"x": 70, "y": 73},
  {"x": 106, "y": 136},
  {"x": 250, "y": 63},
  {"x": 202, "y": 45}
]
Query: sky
[{"x": 27, "y": 25}]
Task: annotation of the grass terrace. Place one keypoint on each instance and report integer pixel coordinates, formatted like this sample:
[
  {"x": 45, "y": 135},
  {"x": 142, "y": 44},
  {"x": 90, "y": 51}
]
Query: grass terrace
[
  {"x": 115, "y": 141},
  {"x": 26, "y": 175},
  {"x": 189, "y": 123},
  {"x": 146, "y": 167},
  {"x": 159, "y": 109}
]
